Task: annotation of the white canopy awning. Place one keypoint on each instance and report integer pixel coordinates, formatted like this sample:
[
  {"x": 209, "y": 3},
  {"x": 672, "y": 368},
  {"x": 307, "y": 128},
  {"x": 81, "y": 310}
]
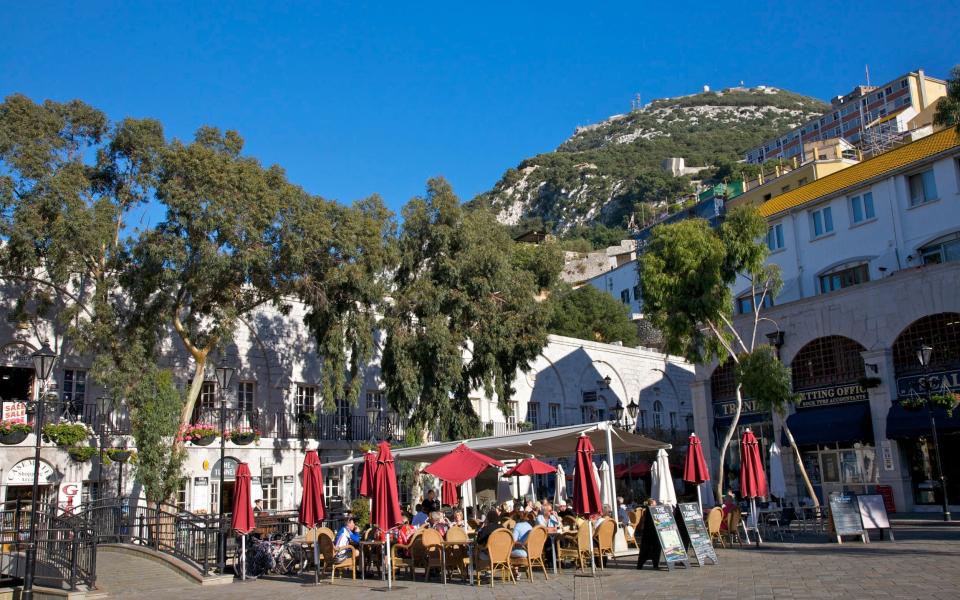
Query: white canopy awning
[{"x": 542, "y": 443}]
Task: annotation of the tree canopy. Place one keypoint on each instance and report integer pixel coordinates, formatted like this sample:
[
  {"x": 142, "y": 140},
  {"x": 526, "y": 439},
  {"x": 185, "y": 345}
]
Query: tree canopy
[{"x": 589, "y": 314}]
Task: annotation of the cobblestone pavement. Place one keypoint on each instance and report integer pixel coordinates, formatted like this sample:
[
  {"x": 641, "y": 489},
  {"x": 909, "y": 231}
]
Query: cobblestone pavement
[{"x": 924, "y": 562}]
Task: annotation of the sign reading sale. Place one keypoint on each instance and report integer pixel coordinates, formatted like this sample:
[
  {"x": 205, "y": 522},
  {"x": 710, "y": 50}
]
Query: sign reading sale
[{"x": 15, "y": 412}]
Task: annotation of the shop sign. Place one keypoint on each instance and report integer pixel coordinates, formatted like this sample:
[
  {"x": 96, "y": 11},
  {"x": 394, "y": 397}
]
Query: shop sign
[
  {"x": 229, "y": 471},
  {"x": 832, "y": 395},
  {"x": 914, "y": 385},
  {"x": 69, "y": 496},
  {"x": 726, "y": 410},
  {"x": 15, "y": 412},
  {"x": 22, "y": 473},
  {"x": 17, "y": 354},
  {"x": 886, "y": 453},
  {"x": 201, "y": 481}
]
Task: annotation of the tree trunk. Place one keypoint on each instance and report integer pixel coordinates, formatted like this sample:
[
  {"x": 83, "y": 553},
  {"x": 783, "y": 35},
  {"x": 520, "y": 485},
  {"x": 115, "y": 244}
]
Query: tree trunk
[
  {"x": 803, "y": 470},
  {"x": 416, "y": 490},
  {"x": 195, "y": 386},
  {"x": 726, "y": 443}
]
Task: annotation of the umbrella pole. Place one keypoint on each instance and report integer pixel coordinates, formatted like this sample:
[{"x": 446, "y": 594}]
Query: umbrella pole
[
  {"x": 699, "y": 499},
  {"x": 593, "y": 568},
  {"x": 243, "y": 557},
  {"x": 316, "y": 557},
  {"x": 388, "y": 563}
]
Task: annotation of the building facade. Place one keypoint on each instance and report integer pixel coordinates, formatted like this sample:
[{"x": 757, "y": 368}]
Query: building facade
[
  {"x": 276, "y": 391},
  {"x": 870, "y": 259},
  {"x": 863, "y": 117}
]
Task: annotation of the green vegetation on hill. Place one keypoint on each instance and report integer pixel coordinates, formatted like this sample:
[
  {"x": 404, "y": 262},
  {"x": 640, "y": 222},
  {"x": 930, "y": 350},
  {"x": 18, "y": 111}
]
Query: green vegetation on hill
[{"x": 604, "y": 171}]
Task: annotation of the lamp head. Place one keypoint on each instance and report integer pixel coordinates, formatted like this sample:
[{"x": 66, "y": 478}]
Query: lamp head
[
  {"x": 43, "y": 361},
  {"x": 618, "y": 411},
  {"x": 633, "y": 409},
  {"x": 224, "y": 373},
  {"x": 923, "y": 354}
]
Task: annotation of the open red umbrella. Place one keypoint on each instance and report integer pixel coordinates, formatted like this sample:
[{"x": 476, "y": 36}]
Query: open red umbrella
[
  {"x": 312, "y": 509},
  {"x": 529, "y": 467},
  {"x": 753, "y": 479},
  {"x": 243, "y": 520},
  {"x": 695, "y": 468},
  {"x": 462, "y": 464},
  {"x": 586, "y": 489},
  {"x": 366, "y": 476},
  {"x": 448, "y": 492}
]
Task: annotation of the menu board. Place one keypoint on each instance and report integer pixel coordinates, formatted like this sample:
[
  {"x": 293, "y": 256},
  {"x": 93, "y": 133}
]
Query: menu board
[
  {"x": 669, "y": 535},
  {"x": 845, "y": 516},
  {"x": 697, "y": 531},
  {"x": 873, "y": 513}
]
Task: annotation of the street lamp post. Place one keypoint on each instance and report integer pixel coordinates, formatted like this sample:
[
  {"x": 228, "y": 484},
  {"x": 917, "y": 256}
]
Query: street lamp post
[
  {"x": 43, "y": 361},
  {"x": 224, "y": 374},
  {"x": 103, "y": 403},
  {"x": 633, "y": 409},
  {"x": 923, "y": 355}
]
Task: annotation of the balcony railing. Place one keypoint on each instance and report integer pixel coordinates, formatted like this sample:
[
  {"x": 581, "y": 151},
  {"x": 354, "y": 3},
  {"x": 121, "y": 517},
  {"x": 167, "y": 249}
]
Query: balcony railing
[{"x": 300, "y": 425}]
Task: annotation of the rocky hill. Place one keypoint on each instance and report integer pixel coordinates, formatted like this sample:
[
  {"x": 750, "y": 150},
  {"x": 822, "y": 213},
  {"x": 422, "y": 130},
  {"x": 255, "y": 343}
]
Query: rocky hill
[{"x": 604, "y": 171}]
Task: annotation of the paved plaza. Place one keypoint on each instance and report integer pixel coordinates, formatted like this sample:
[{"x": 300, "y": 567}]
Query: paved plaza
[{"x": 922, "y": 563}]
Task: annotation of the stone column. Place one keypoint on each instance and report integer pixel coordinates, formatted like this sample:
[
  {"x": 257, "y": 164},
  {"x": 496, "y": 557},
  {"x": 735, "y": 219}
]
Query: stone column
[{"x": 880, "y": 401}]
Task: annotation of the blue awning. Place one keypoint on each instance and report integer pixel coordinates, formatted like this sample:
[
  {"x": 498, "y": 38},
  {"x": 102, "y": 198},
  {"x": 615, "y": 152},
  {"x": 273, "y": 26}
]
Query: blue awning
[
  {"x": 905, "y": 423},
  {"x": 840, "y": 424}
]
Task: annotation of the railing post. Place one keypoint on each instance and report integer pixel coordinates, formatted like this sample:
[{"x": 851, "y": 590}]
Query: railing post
[{"x": 74, "y": 548}]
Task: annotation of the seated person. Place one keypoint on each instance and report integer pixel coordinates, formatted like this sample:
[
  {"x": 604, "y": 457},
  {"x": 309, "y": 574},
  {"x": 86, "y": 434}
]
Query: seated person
[
  {"x": 420, "y": 518},
  {"x": 547, "y": 517},
  {"x": 431, "y": 503},
  {"x": 404, "y": 534},
  {"x": 520, "y": 532},
  {"x": 458, "y": 521},
  {"x": 345, "y": 536},
  {"x": 564, "y": 511},
  {"x": 439, "y": 523},
  {"x": 729, "y": 505},
  {"x": 490, "y": 525}
]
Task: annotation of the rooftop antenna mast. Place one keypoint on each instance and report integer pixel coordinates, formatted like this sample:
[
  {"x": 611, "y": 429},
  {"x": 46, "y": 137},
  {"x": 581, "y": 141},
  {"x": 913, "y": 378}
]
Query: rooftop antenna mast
[
  {"x": 636, "y": 104},
  {"x": 867, "y": 69}
]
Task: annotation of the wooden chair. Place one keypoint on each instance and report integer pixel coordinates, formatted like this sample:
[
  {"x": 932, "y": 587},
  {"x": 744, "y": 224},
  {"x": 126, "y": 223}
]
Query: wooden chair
[
  {"x": 630, "y": 530},
  {"x": 329, "y": 552},
  {"x": 432, "y": 552},
  {"x": 714, "y": 519},
  {"x": 580, "y": 548},
  {"x": 733, "y": 527},
  {"x": 534, "y": 544},
  {"x": 373, "y": 557},
  {"x": 457, "y": 556},
  {"x": 604, "y": 535},
  {"x": 499, "y": 545},
  {"x": 569, "y": 521},
  {"x": 402, "y": 556},
  {"x": 508, "y": 523}
]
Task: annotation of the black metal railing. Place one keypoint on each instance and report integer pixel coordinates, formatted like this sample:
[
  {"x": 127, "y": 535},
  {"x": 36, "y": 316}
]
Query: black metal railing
[
  {"x": 304, "y": 425},
  {"x": 66, "y": 551}
]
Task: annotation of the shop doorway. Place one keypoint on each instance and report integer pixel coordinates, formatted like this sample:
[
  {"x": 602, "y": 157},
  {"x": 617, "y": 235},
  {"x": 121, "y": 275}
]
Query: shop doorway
[
  {"x": 15, "y": 383},
  {"x": 850, "y": 469}
]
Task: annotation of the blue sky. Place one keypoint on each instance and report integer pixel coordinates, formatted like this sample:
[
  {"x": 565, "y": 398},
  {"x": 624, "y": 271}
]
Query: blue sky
[{"x": 354, "y": 98}]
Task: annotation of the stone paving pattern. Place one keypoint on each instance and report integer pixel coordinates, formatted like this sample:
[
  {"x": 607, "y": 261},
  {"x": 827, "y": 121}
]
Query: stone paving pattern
[{"x": 924, "y": 562}]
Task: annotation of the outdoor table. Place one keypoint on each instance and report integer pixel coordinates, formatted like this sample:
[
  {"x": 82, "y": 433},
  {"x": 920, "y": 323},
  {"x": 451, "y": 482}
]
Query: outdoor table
[
  {"x": 554, "y": 537},
  {"x": 363, "y": 546},
  {"x": 443, "y": 556}
]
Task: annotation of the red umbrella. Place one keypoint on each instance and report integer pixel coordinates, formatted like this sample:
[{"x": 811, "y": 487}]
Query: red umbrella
[
  {"x": 586, "y": 489},
  {"x": 695, "y": 468},
  {"x": 462, "y": 464},
  {"x": 312, "y": 510},
  {"x": 366, "y": 477},
  {"x": 243, "y": 520},
  {"x": 449, "y": 493},
  {"x": 386, "y": 506},
  {"x": 530, "y": 466},
  {"x": 753, "y": 480}
]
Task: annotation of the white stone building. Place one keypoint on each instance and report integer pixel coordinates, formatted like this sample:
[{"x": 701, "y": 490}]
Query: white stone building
[
  {"x": 869, "y": 258},
  {"x": 276, "y": 390}
]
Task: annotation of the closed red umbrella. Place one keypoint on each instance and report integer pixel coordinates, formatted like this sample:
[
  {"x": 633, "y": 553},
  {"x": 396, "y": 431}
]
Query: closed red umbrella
[
  {"x": 695, "y": 468},
  {"x": 529, "y": 467},
  {"x": 586, "y": 489},
  {"x": 243, "y": 520},
  {"x": 753, "y": 479},
  {"x": 462, "y": 464},
  {"x": 312, "y": 509},
  {"x": 449, "y": 493},
  {"x": 366, "y": 477},
  {"x": 386, "y": 505}
]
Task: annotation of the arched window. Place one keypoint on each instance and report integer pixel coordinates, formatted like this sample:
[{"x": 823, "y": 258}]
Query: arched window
[
  {"x": 657, "y": 414},
  {"x": 723, "y": 383},
  {"x": 825, "y": 361},
  {"x": 942, "y": 250},
  {"x": 941, "y": 332}
]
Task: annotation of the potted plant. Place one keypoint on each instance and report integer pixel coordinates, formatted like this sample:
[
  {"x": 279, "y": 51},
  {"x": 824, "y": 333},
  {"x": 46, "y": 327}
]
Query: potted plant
[
  {"x": 307, "y": 417},
  {"x": 66, "y": 434},
  {"x": 13, "y": 433},
  {"x": 199, "y": 435},
  {"x": 81, "y": 453},
  {"x": 524, "y": 426},
  {"x": 120, "y": 455},
  {"x": 243, "y": 437}
]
